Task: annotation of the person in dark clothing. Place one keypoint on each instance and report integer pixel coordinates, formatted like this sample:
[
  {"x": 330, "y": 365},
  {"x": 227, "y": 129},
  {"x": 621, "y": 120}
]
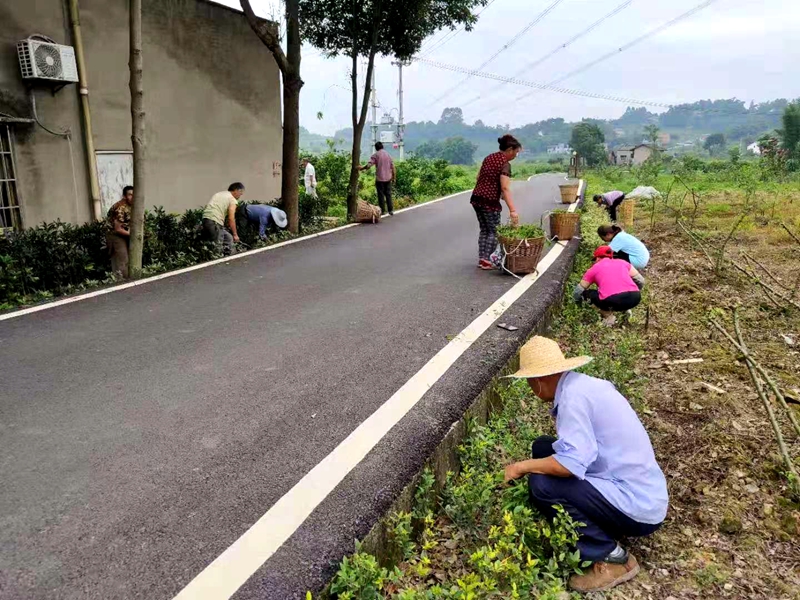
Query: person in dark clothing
[{"x": 494, "y": 182}]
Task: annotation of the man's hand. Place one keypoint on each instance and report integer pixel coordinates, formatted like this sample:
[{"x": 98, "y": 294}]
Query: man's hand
[
  {"x": 514, "y": 218},
  {"x": 235, "y": 239},
  {"x": 512, "y": 472}
]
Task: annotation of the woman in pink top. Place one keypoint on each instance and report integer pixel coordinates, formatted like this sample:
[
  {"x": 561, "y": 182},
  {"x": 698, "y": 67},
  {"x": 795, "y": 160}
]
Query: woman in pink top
[{"x": 618, "y": 285}]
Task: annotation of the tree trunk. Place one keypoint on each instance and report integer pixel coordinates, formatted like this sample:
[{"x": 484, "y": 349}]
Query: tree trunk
[
  {"x": 137, "y": 139},
  {"x": 289, "y": 65},
  {"x": 359, "y": 118},
  {"x": 292, "y": 84}
]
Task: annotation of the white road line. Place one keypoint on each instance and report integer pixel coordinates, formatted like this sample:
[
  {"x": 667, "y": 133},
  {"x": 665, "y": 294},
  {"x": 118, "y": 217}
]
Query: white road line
[
  {"x": 231, "y": 569},
  {"x": 211, "y": 263}
]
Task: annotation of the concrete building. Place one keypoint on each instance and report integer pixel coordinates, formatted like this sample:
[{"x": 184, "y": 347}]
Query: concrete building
[
  {"x": 559, "y": 149},
  {"x": 631, "y": 155},
  {"x": 754, "y": 148},
  {"x": 212, "y": 103}
]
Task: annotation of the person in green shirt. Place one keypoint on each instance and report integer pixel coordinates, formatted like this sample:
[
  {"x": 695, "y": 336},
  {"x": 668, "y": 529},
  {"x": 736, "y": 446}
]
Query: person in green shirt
[{"x": 220, "y": 205}]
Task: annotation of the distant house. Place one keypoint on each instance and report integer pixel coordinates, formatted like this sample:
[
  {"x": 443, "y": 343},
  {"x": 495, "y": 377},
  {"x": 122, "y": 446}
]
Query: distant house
[
  {"x": 559, "y": 149},
  {"x": 754, "y": 148},
  {"x": 631, "y": 155}
]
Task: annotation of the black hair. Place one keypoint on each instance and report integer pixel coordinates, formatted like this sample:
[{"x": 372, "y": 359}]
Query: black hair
[
  {"x": 379, "y": 146},
  {"x": 236, "y": 186},
  {"x": 597, "y": 198},
  {"x": 126, "y": 189},
  {"x": 605, "y": 230},
  {"x": 508, "y": 141}
]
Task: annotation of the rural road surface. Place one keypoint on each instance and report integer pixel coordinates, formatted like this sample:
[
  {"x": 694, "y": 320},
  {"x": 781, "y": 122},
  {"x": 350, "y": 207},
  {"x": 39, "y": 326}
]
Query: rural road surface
[{"x": 144, "y": 431}]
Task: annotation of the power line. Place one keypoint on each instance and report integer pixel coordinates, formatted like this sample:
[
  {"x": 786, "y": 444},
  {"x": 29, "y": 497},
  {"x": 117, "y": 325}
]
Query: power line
[
  {"x": 451, "y": 34},
  {"x": 538, "y": 86},
  {"x": 508, "y": 45},
  {"x": 630, "y": 44},
  {"x": 533, "y": 64}
]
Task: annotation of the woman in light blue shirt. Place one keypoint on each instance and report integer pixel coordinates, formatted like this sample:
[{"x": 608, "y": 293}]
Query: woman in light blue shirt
[{"x": 624, "y": 245}]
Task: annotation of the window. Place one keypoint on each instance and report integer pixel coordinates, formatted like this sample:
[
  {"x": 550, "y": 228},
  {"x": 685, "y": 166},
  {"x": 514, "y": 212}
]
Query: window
[{"x": 10, "y": 216}]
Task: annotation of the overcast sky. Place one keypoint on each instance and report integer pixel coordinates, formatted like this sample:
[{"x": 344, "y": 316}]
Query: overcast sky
[{"x": 742, "y": 48}]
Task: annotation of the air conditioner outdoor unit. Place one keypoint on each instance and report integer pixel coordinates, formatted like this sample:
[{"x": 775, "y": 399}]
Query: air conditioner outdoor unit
[{"x": 44, "y": 61}]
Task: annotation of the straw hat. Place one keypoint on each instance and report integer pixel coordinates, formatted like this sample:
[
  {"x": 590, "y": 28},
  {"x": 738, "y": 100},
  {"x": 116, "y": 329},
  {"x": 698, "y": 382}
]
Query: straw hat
[
  {"x": 541, "y": 357},
  {"x": 280, "y": 217}
]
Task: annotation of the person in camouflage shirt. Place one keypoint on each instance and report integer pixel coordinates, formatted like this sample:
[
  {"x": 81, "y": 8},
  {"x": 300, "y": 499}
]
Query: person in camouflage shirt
[{"x": 118, "y": 234}]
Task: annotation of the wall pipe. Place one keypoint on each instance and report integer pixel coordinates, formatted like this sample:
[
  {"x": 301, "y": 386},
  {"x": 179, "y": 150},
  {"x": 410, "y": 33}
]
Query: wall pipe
[{"x": 88, "y": 135}]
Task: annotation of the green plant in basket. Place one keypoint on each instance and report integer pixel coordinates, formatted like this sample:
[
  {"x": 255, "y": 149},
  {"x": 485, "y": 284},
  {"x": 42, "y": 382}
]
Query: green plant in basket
[{"x": 521, "y": 232}]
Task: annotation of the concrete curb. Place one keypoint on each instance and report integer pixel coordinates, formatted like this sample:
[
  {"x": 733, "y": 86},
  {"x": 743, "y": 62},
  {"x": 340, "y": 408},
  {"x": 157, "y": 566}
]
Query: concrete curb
[{"x": 445, "y": 458}]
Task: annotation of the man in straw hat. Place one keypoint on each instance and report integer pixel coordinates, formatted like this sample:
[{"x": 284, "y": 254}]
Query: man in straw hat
[{"x": 601, "y": 468}]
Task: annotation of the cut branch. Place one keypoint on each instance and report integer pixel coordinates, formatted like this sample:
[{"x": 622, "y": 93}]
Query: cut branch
[
  {"x": 266, "y": 33},
  {"x": 791, "y": 233}
]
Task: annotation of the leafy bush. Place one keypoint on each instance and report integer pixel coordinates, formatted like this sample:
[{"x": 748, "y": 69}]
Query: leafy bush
[{"x": 521, "y": 232}]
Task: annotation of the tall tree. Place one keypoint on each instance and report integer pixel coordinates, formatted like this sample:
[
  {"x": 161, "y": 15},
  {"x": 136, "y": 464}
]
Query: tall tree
[
  {"x": 367, "y": 28},
  {"x": 790, "y": 134},
  {"x": 136, "y": 241},
  {"x": 587, "y": 140},
  {"x": 651, "y": 133},
  {"x": 714, "y": 142},
  {"x": 289, "y": 64},
  {"x": 452, "y": 116}
]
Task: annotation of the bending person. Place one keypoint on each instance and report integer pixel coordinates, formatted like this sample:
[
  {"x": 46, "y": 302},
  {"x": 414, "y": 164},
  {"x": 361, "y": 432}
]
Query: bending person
[
  {"x": 624, "y": 245},
  {"x": 610, "y": 200},
  {"x": 601, "y": 468},
  {"x": 618, "y": 284}
]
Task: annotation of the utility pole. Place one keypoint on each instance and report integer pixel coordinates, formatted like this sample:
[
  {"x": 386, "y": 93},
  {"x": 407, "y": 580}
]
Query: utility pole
[
  {"x": 401, "y": 127},
  {"x": 374, "y": 125}
]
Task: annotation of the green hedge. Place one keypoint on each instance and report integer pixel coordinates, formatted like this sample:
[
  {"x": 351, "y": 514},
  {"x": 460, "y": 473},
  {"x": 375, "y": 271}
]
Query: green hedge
[{"x": 60, "y": 258}]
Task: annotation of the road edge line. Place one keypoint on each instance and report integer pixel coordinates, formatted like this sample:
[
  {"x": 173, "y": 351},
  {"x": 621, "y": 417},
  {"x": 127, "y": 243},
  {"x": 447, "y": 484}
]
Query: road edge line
[{"x": 223, "y": 577}]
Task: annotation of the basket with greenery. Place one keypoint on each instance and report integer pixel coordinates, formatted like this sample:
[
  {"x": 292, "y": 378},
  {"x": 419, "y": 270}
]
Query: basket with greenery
[{"x": 522, "y": 246}]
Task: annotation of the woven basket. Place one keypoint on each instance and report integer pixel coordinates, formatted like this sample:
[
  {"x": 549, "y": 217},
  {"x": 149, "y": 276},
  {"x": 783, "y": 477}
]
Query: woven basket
[
  {"x": 569, "y": 192},
  {"x": 625, "y": 213},
  {"x": 522, "y": 256},
  {"x": 564, "y": 225},
  {"x": 367, "y": 213}
]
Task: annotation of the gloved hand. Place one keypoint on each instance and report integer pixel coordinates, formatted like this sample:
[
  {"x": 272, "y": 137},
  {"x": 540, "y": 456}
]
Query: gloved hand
[
  {"x": 577, "y": 293},
  {"x": 639, "y": 281}
]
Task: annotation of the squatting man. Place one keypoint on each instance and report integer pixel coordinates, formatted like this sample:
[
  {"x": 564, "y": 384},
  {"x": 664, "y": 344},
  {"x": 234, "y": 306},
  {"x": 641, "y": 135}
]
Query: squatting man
[{"x": 601, "y": 466}]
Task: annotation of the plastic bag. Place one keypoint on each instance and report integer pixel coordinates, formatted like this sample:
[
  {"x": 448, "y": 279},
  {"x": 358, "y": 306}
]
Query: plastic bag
[{"x": 645, "y": 192}]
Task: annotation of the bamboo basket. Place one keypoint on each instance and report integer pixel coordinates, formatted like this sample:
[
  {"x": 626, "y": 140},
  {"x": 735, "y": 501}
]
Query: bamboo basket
[
  {"x": 367, "y": 213},
  {"x": 625, "y": 213},
  {"x": 569, "y": 192},
  {"x": 522, "y": 256},
  {"x": 564, "y": 225}
]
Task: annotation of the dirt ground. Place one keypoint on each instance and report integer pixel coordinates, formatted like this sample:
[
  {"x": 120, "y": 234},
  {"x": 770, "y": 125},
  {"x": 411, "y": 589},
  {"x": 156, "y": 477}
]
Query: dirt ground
[{"x": 733, "y": 526}]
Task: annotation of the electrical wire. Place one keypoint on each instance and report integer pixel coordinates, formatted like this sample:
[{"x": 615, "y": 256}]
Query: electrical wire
[
  {"x": 533, "y": 64},
  {"x": 538, "y": 86},
  {"x": 508, "y": 45},
  {"x": 629, "y": 45},
  {"x": 451, "y": 34}
]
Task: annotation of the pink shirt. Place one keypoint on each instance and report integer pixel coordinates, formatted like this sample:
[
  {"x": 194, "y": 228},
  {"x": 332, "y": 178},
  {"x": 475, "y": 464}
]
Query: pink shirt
[
  {"x": 612, "y": 276},
  {"x": 383, "y": 165}
]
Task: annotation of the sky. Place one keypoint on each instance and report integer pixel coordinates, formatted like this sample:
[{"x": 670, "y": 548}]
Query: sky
[{"x": 732, "y": 48}]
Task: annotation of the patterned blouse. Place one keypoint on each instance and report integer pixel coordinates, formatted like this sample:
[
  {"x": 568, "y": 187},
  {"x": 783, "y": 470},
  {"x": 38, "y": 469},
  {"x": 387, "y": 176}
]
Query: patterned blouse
[
  {"x": 121, "y": 211},
  {"x": 487, "y": 190}
]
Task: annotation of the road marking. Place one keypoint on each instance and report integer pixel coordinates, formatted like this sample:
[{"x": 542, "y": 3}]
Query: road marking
[
  {"x": 124, "y": 286},
  {"x": 231, "y": 569}
]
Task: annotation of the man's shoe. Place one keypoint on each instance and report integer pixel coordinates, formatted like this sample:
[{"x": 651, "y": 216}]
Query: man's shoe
[{"x": 604, "y": 576}]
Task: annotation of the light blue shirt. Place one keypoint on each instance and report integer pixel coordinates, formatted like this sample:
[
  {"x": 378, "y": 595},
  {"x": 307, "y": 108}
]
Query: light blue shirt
[
  {"x": 625, "y": 242},
  {"x": 261, "y": 214},
  {"x": 601, "y": 440}
]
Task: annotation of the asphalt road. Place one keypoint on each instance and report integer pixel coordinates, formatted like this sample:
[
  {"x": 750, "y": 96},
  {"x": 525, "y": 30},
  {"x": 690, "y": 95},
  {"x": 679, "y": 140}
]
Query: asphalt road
[{"x": 145, "y": 430}]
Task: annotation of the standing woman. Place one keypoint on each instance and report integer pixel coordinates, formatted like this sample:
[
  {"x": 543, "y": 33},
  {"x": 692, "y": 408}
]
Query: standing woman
[
  {"x": 624, "y": 245},
  {"x": 494, "y": 182}
]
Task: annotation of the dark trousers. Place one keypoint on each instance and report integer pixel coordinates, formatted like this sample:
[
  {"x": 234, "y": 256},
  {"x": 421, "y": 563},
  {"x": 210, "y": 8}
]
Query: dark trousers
[
  {"x": 605, "y": 524},
  {"x": 384, "y": 189},
  {"x": 488, "y": 220},
  {"x": 616, "y": 303},
  {"x": 623, "y": 256},
  {"x": 612, "y": 210},
  {"x": 214, "y": 232},
  {"x": 118, "y": 251}
]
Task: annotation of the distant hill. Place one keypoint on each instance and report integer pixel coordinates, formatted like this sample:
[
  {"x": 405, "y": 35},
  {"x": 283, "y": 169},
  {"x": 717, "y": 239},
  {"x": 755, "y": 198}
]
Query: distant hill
[{"x": 686, "y": 124}]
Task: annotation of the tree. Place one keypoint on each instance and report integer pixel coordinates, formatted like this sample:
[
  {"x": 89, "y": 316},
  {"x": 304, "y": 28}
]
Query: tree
[
  {"x": 790, "y": 134},
  {"x": 651, "y": 133},
  {"x": 458, "y": 151},
  {"x": 587, "y": 140},
  {"x": 714, "y": 142},
  {"x": 367, "y": 28},
  {"x": 136, "y": 240},
  {"x": 289, "y": 64},
  {"x": 452, "y": 116}
]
